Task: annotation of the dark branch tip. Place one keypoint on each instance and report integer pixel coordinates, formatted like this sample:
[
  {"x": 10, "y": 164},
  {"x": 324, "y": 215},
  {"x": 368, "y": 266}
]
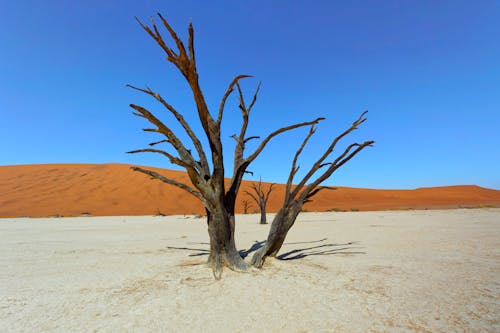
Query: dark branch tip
[
  {"x": 243, "y": 76},
  {"x": 139, "y": 21}
]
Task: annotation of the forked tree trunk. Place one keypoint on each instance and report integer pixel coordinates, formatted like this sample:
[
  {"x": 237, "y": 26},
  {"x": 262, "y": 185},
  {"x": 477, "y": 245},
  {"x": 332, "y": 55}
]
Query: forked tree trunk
[
  {"x": 207, "y": 185},
  {"x": 282, "y": 222}
]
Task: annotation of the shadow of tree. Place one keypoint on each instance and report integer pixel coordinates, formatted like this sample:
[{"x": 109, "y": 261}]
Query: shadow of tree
[
  {"x": 320, "y": 250},
  {"x": 309, "y": 242},
  {"x": 204, "y": 252},
  {"x": 256, "y": 245},
  {"x": 323, "y": 249},
  {"x": 201, "y": 252}
]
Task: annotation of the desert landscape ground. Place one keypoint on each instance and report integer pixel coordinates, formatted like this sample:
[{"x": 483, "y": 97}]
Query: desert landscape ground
[
  {"x": 104, "y": 248},
  {"x": 46, "y": 190},
  {"x": 399, "y": 271},
  {"x": 79, "y": 257}
]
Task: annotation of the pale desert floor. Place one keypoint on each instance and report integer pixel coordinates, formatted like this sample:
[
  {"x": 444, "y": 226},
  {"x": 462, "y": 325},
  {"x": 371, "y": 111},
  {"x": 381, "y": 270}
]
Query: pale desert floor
[{"x": 401, "y": 271}]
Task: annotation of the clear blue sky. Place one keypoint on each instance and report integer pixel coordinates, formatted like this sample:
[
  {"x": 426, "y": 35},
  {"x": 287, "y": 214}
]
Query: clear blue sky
[{"x": 427, "y": 71}]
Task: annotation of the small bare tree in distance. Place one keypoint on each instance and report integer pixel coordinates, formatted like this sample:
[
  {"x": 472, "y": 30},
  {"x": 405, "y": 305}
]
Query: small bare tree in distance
[
  {"x": 296, "y": 196},
  {"x": 260, "y": 197},
  {"x": 246, "y": 204},
  {"x": 207, "y": 181}
]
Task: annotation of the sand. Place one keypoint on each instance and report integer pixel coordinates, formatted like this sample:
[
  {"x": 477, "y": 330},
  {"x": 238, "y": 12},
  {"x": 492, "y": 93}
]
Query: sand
[
  {"x": 400, "y": 271},
  {"x": 45, "y": 190}
]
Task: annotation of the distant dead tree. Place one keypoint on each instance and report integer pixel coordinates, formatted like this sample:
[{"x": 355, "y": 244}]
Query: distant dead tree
[
  {"x": 246, "y": 205},
  {"x": 296, "y": 196},
  {"x": 207, "y": 180},
  {"x": 260, "y": 197}
]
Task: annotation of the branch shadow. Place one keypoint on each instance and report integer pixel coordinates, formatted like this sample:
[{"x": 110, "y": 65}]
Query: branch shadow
[
  {"x": 309, "y": 242},
  {"x": 317, "y": 250},
  {"x": 321, "y": 250},
  {"x": 201, "y": 252},
  {"x": 256, "y": 245},
  {"x": 205, "y": 252}
]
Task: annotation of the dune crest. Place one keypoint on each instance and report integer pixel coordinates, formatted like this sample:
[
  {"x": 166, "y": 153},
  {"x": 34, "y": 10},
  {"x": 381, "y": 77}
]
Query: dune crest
[{"x": 44, "y": 190}]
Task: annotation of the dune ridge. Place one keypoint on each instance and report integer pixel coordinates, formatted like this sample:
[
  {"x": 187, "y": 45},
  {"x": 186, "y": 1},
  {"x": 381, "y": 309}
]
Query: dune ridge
[{"x": 44, "y": 190}]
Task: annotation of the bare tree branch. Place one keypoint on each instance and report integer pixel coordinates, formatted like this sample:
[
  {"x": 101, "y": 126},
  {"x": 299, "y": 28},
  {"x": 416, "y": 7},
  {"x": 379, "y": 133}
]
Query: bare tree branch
[
  {"x": 138, "y": 114},
  {"x": 228, "y": 92},
  {"x": 155, "y": 130},
  {"x": 251, "y": 138},
  {"x": 158, "y": 38},
  {"x": 158, "y": 142},
  {"x": 328, "y": 151},
  {"x": 164, "y": 179},
  {"x": 178, "y": 42},
  {"x": 191, "y": 44},
  {"x": 342, "y": 159},
  {"x": 292, "y": 205},
  {"x": 173, "y": 159},
  {"x": 245, "y": 113},
  {"x": 339, "y": 161},
  {"x": 311, "y": 194},
  {"x": 295, "y": 168},
  {"x": 187, "y": 67},
  {"x": 269, "y": 191},
  {"x": 252, "y": 196},
  {"x": 184, "y": 124},
  {"x": 184, "y": 154},
  {"x": 254, "y": 99},
  {"x": 240, "y": 163},
  {"x": 279, "y": 131},
  {"x": 241, "y": 99}
]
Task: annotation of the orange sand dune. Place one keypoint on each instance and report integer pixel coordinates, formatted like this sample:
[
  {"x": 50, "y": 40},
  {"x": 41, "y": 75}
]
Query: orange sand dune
[{"x": 113, "y": 189}]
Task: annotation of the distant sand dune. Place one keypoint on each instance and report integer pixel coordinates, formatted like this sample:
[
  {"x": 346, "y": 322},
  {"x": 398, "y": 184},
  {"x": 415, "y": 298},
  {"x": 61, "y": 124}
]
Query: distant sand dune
[{"x": 113, "y": 189}]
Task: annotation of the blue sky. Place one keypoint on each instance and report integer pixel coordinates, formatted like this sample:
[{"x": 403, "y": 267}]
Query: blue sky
[{"x": 427, "y": 71}]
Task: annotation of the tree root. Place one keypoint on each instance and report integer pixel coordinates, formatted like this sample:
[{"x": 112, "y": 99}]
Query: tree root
[
  {"x": 259, "y": 257},
  {"x": 234, "y": 262}
]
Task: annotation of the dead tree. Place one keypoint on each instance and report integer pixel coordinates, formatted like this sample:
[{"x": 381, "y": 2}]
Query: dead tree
[
  {"x": 296, "y": 196},
  {"x": 260, "y": 197},
  {"x": 207, "y": 181},
  {"x": 246, "y": 205}
]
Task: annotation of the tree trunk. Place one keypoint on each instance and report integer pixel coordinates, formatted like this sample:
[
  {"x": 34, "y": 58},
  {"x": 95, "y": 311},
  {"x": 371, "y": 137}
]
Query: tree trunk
[
  {"x": 222, "y": 246},
  {"x": 263, "y": 218},
  {"x": 282, "y": 222}
]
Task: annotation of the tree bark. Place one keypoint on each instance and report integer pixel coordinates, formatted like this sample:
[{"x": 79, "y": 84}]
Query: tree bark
[
  {"x": 263, "y": 218},
  {"x": 282, "y": 222},
  {"x": 223, "y": 250}
]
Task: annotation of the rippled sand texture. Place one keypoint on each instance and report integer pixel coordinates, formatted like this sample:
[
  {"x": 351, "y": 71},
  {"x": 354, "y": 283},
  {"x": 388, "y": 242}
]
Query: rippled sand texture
[{"x": 405, "y": 271}]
